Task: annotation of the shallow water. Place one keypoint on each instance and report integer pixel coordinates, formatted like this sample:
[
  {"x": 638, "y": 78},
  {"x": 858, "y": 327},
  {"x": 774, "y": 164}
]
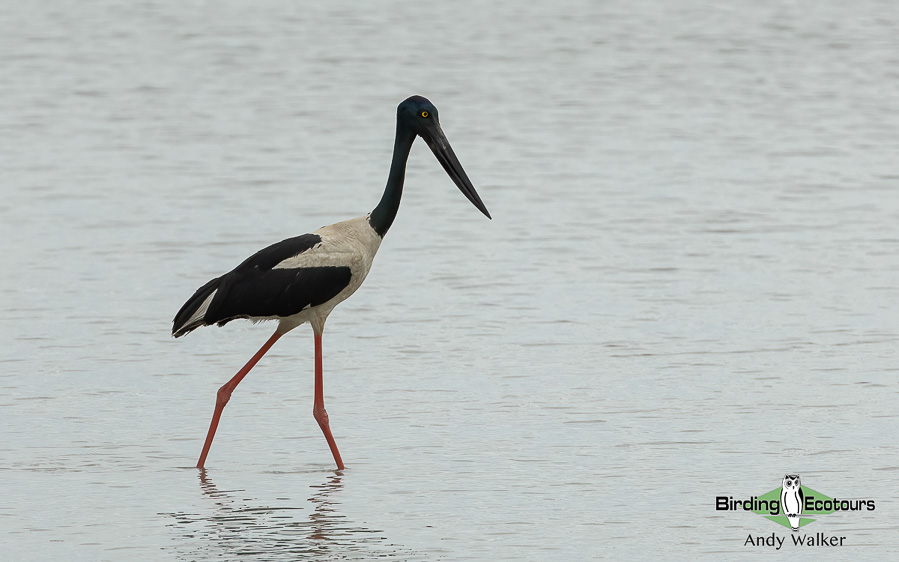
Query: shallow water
[{"x": 688, "y": 288}]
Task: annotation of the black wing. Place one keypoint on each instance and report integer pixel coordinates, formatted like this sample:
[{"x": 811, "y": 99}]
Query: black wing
[
  {"x": 255, "y": 290},
  {"x": 269, "y": 257}
]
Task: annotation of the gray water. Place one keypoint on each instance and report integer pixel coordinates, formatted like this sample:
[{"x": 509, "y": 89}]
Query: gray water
[{"x": 688, "y": 289}]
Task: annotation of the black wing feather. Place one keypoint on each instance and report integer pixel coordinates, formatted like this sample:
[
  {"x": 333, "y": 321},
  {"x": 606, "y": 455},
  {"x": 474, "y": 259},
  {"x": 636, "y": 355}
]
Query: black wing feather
[
  {"x": 277, "y": 292},
  {"x": 267, "y": 258},
  {"x": 254, "y": 289},
  {"x": 179, "y": 324}
]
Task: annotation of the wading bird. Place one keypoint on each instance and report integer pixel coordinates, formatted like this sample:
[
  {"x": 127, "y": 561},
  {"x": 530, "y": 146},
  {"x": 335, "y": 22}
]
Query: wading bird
[{"x": 302, "y": 279}]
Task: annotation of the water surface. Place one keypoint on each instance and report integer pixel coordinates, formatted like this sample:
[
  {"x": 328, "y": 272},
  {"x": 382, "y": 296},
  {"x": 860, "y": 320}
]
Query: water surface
[{"x": 688, "y": 288}]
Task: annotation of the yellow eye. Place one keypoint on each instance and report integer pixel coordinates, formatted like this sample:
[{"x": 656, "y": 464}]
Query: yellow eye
[{"x": 424, "y": 114}]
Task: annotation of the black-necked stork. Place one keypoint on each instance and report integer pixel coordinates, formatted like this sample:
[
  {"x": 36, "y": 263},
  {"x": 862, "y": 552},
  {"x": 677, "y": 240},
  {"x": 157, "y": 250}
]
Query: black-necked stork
[{"x": 302, "y": 279}]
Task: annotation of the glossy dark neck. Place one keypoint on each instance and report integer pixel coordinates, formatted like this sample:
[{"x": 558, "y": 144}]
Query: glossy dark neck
[{"x": 382, "y": 217}]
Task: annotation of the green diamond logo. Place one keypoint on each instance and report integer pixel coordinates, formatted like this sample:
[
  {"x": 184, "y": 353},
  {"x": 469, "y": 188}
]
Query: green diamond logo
[{"x": 774, "y": 495}]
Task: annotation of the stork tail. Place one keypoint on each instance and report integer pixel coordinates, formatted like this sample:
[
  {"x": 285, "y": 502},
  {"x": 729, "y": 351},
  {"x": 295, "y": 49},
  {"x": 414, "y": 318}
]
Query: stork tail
[{"x": 192, "y": 314}]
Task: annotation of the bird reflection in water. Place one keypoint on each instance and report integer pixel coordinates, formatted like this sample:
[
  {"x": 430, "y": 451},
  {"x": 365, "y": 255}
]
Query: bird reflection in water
[
  {"x": 235, "y": 526},
  {"x": 324, "y": 515}
]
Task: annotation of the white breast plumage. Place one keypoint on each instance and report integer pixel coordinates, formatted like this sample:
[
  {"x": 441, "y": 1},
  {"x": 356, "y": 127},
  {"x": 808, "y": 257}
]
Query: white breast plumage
[{"x": 352, "y": 243}]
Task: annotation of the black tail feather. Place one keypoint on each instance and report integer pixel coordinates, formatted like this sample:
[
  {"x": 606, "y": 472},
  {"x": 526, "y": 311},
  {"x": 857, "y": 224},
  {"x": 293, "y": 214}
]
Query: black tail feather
[{"x": 182, "y": 323}]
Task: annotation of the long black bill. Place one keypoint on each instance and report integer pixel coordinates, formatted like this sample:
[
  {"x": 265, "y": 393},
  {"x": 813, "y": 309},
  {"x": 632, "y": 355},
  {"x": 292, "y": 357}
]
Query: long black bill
[{"x": 447, "y": 158}]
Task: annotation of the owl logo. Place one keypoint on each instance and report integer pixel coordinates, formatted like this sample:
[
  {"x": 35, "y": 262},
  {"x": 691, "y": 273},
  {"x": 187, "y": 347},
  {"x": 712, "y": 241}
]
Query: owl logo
[{"x": 791, "y": 500}]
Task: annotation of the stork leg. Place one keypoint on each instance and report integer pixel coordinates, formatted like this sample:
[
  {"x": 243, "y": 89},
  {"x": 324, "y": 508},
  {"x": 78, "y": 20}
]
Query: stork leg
[
  {"x": 224, "y": 394},
  {"x": 318, "y": 407}
]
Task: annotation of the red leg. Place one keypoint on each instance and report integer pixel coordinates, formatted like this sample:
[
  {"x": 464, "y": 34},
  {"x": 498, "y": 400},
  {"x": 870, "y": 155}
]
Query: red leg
[
  {"x": 224, "y": 394},
  {"x": 318, "y": 407}
]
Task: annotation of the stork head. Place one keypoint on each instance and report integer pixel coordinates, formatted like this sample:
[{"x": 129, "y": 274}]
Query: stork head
[{"x": 420, "y": 116}]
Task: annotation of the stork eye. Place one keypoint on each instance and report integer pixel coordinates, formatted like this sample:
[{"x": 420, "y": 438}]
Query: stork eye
[{"x": 424, "y": 113}]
